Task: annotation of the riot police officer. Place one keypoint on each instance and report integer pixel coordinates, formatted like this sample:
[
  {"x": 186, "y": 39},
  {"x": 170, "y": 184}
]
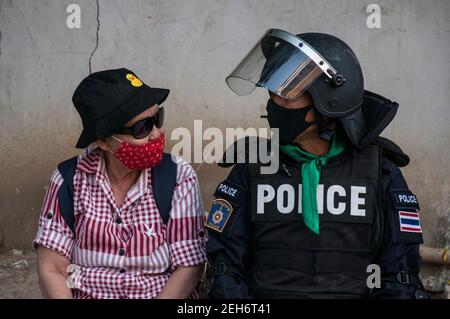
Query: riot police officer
[{"x": 338, "y": 202}]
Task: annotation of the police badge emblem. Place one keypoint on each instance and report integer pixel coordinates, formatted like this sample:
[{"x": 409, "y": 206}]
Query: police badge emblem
[{"x": 219, "y": 214}]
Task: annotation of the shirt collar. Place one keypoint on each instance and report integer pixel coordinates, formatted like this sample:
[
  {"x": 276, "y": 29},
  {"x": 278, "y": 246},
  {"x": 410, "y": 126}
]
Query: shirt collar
[
  {"x": 92, "y": 161},
  {"x": 88, "y": 161}
]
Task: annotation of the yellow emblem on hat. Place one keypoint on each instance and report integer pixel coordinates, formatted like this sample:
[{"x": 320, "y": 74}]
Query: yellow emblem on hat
[{"x": 134, "y": 80}]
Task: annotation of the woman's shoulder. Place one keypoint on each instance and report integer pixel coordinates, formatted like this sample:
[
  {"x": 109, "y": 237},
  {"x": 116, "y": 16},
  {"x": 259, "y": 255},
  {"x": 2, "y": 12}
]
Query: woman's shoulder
[
  {"x": 56, "y": 178},
  {"x": 86, "y": 161},
  {"x": 184, "y": 169}
]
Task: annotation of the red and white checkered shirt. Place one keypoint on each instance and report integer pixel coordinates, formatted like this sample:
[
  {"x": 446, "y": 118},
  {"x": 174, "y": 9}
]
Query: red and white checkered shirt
[{"x": 125, "y": 252}]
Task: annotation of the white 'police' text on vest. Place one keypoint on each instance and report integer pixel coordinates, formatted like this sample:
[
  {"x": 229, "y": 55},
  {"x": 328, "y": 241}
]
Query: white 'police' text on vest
[{"x": 337, "y": 200}]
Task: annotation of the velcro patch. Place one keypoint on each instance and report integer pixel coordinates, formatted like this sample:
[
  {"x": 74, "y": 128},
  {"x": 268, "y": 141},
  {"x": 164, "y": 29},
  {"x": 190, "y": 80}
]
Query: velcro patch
[
  {"x": 409, "y": 222},
  {"x": 405, "y": 199},
  {"x": 219, "y": 215},
  {"x": 230, "y": 191}
]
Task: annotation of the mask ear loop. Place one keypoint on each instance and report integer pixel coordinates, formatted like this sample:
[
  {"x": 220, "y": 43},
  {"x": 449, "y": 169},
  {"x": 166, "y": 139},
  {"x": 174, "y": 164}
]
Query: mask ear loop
[{"x": 117, "y": 139}]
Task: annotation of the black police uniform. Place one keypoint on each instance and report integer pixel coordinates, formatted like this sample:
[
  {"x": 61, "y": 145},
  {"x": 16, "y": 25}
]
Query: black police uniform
[
  {"x": 272, "y": 254},
  {"x": 258, "y": 244}
]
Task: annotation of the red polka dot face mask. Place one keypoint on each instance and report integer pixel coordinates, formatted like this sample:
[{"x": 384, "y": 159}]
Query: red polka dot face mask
[{"x": 142, "y": 156}]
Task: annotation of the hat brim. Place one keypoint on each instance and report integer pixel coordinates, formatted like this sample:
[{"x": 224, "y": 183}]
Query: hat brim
[{"x": 112, "y": 122}]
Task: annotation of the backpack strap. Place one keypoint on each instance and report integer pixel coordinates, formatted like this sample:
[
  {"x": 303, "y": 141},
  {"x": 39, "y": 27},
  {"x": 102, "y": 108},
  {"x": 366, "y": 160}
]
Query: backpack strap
[
  {"x": 164, "y": 180},
  {"x": 65, "y": 193}
]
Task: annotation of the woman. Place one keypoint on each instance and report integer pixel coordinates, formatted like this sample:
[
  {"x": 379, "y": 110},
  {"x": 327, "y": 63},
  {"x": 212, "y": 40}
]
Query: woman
[{"x": 120, "y": 247}]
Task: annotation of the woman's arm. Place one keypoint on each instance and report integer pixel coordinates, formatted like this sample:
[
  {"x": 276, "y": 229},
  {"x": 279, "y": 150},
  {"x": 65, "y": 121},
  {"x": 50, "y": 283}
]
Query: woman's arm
[
  {"x": 182, "y": 282},
  {"x": 52, "y": 274},
  {"x": 185, "y": 235}
]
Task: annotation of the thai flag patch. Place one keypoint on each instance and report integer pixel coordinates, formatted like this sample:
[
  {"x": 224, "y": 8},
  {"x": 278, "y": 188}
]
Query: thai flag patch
[{"x": 409, "y": 222}]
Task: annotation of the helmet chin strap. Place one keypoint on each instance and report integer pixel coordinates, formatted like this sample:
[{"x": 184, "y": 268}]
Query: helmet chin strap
[{"x": 325, "y": 133}]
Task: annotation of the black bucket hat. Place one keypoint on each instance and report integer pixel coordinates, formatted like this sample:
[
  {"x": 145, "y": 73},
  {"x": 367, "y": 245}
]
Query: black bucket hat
[{"x": 106, "y": 100}]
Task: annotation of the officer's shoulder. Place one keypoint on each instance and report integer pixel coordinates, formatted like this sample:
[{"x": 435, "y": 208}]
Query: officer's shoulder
[
  {"x": 403, "y": 217},
  {"x": 389, "y": 168},
  {"x": 246, "y": 150},
  {"x": 392, "y": 154},
  {"x": 229, "y": 196},
  {"x": 392, "y": 158}
]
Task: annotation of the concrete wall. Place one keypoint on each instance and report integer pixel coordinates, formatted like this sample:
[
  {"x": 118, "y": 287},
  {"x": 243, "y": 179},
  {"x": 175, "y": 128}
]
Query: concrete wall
[{"x": 190, "y": 46}]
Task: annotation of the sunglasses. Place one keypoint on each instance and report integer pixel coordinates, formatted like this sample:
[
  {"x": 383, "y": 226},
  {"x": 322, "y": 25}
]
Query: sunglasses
[{"x": 143, "y": 128}]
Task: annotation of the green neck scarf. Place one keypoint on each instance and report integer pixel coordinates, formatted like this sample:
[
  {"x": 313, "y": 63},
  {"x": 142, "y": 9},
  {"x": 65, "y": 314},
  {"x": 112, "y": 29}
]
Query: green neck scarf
[{"x": 311, "y": 169}]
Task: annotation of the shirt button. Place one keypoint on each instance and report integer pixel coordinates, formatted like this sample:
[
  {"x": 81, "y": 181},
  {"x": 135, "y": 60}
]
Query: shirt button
[
  {"x": 122, "y": 270},
  {"x": 119, "y": 220},
  {"x": 122, "y": 251},
  {"x": 50, "y": 215}
]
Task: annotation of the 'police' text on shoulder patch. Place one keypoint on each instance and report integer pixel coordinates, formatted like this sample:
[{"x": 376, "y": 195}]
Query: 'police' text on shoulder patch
[
  {"x": 219, "y": 214},
  {"x": 405, "y": 199},
  {"x": 230, "y": 191}
]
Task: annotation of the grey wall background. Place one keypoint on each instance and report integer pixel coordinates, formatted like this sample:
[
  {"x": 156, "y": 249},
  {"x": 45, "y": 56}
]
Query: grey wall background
[{"x": 190, "y": 46}]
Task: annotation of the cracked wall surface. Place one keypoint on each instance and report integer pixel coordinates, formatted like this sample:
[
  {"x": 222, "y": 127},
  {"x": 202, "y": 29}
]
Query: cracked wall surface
[
  {"x": 97, "y": 30},
  {"x": 190, "y": 47}
]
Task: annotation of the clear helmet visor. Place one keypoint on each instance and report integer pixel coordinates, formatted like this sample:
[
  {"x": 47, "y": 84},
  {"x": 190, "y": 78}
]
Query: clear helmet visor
[{"x": 280, "y": 62}]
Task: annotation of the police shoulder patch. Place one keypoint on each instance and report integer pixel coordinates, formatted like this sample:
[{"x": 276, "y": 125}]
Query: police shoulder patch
[
  {"x": 230, "y": 191},
  {"x": 405, "y": 199},
  {"x": 219, "y": 215},
  {"x": 407, "y": 227}
]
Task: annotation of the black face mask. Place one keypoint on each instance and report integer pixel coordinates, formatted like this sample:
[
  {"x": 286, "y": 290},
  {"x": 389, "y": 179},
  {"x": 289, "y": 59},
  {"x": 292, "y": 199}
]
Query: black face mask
[{"x": 290, "y": 122}]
